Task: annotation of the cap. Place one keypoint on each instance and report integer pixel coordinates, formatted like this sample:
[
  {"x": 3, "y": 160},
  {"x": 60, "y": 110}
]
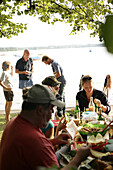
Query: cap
[
  {"x": 42, "y": 94},
  {"x": 51, "y": 81}
]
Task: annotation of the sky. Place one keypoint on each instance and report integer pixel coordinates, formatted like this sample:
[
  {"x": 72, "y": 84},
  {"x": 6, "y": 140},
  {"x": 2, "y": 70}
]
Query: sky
[{"x": 43, "y": 34}]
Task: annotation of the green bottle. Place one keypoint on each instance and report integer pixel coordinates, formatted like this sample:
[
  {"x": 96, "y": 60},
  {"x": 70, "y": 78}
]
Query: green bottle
[
  {"x": 77, "y": 110},
  {"x": 100, "y": 114},
  {"x": 96, "y": 108}
]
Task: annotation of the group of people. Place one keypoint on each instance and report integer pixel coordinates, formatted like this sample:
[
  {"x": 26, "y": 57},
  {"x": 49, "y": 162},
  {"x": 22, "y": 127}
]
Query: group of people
[
  {"x": 24, "y": 67},
  {"x": 26, "y": 142},
  {"x": 23, "y": 145}
]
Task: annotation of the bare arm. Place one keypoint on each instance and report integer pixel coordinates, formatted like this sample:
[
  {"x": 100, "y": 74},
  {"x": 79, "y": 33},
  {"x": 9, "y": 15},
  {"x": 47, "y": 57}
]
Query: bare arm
[
  {"x": 57, "y": 75},
  {"x": 11, "y": 70},
  {"x": 60, "y": 139},
  {"x": 81, "y": 155},
  {"x": 62, "y": 125},
  {"x": 104, "y": 108},
  {"x": 50, "y": 133},
  {"x": 5, "y": 87},
  {"x": 21, "y": 72}
]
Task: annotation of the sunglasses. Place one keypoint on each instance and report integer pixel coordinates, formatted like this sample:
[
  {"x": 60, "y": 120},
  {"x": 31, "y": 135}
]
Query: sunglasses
[{"x": 86, "y": 78}]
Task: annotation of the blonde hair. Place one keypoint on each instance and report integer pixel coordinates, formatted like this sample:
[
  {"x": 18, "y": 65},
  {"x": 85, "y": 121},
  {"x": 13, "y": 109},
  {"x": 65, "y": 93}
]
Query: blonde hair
[
  {"x": 85, "y": 78},
  {"x": 5, "y": 65}
]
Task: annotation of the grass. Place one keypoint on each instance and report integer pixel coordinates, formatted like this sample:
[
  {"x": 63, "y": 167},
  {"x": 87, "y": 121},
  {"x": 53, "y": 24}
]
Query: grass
[{"x": 3, "y": 122}]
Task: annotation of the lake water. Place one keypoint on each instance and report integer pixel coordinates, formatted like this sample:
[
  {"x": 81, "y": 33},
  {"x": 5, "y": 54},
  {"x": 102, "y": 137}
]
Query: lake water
[{"x": 95, "y": 61}]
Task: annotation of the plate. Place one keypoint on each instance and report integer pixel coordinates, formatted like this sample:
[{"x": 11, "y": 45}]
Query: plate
[{"x": 93, "y": 126}]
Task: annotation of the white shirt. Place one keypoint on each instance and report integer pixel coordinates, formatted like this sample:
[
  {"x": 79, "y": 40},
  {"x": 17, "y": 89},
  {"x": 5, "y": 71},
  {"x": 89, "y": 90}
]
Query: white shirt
[{"x": 6, "y": 79}]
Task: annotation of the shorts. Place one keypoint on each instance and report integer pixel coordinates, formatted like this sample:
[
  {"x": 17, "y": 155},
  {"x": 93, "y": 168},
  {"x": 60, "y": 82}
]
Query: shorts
[
  {"x": 9, "y": 95},
  {"x": 25, "y": 83}
]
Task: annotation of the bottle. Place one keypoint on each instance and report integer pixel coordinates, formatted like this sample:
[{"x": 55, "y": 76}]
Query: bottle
[
  {"x": 77, "y": 110},
  {"x": 100, "y": 114},
  {"x": 96, "y": 108},
  {"x": 91, "y": 105}
]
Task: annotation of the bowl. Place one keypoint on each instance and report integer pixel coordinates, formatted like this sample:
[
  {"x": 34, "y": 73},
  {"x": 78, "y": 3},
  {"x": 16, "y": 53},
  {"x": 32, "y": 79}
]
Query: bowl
[{"x": 93, "y": 126}]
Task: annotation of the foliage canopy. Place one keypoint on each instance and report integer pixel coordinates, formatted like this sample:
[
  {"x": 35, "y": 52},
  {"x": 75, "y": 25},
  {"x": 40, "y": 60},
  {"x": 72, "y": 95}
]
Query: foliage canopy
[{"x": 78, "y": 13}]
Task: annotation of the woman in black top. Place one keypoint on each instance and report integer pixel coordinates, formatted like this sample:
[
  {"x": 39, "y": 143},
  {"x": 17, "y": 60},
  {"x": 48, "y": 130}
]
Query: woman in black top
[{"x": 88, "y": 91}]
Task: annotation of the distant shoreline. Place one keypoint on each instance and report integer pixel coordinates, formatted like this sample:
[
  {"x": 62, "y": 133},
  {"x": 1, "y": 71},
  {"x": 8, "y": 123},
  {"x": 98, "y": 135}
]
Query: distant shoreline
[{"x": 2, "y": 49}]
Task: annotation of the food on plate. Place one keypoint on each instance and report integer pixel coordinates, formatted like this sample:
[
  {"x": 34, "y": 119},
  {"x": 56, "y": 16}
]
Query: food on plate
[
  {"x": 91, "y": 129},
  {"x": 96, "y": 140},
  {"x": 98, "y": 154}
]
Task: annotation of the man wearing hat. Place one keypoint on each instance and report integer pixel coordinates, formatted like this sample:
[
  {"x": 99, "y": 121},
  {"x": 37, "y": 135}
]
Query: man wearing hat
[
  {"x": 52, "y": 82},
  {"x": 23, "y": 145}
]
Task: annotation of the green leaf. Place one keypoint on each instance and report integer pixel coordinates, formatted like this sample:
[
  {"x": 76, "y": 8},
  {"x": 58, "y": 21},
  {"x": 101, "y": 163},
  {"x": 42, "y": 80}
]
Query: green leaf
[{"x": 108, "y": 33}]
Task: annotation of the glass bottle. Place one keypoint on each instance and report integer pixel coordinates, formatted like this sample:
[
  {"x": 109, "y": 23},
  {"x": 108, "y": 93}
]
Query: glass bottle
[
  {"x": 77, "y": 110},
  {"x": 100, "y": 114},
  {"x": 96, "y": 108},
  {"x": 91, "y": 105}
]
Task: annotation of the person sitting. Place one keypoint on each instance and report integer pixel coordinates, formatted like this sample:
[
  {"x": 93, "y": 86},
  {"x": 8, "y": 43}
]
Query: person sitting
[
  {"x": 23, "y": 145},
  {"x": 88, "y": 91},
  {"x": 49, "y": 130},
  {"x": 53, "y": 83}
]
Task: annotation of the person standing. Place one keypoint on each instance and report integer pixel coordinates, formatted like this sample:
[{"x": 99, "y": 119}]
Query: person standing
[
  {"x": 6, "y": 83},
  {"x": 58, "y": 73},
  {"x": 24, "y": 67},
  {"x": 107, "y": 85}
]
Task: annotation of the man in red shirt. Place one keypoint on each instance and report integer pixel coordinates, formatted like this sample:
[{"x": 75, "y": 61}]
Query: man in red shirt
[{"x": 23, "y": 145}]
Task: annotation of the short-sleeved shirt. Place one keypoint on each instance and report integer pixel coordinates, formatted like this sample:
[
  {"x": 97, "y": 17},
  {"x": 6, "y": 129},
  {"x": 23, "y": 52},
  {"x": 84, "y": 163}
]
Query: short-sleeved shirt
[
  {"x": 50, "y": 125},
  {"x": 6, "y": 78},
  {"x": 25, "y": 147},
  {"x": 23, "y": 65},
  {"x": 57, "y": 68},
  {"x": 83, "y": 101}
]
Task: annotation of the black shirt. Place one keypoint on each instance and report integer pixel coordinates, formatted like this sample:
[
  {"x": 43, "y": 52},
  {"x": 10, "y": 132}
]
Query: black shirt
[
  {"x": 23, "y": 65},
  {"x": 83, "y": 101}
]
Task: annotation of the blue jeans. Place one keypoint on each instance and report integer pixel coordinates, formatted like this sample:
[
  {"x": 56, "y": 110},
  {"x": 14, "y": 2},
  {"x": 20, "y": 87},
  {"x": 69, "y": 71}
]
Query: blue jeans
[
  {"x": 61, "y": 92},
  {"x": 25, "y": 83}
]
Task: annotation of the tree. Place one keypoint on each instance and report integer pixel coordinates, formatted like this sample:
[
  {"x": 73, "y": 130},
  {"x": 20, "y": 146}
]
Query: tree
[{"x": 78, "y": 13}]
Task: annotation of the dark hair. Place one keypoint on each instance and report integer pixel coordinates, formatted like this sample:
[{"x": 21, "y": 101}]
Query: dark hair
[
  {"x": 45, "y": 58},
  {"x": 33, "y": 106}
]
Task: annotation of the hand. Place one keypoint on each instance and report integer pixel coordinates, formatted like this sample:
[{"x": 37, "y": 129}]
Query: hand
[
  {"x": 62, "y": 138},
  {"x": 26, "y": 72},
  {"x": 82, "y": 154},
  {"x": 9, "y": 88},
  {"x": 62, "y": 124},
  {"x": 98, "y": 102}
]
